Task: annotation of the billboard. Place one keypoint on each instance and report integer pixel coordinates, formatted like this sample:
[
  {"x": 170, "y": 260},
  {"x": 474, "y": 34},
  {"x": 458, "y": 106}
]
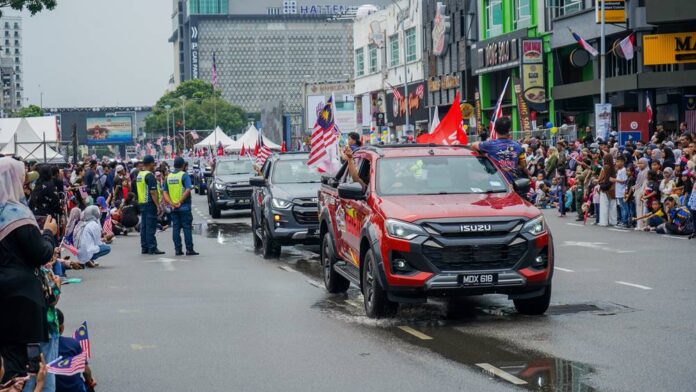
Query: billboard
[{"x": 110, "y": 130}]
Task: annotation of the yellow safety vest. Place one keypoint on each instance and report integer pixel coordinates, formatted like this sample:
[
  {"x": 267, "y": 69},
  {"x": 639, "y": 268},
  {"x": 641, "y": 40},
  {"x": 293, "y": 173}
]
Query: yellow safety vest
[
  {"x": 141, "y": 186},
  {"x": 175, "y": 186}
]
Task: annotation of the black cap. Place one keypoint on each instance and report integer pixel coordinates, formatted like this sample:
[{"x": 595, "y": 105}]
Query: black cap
[
  {"x": 148, "y": 159},
  {"x": 179, "y": 163}
]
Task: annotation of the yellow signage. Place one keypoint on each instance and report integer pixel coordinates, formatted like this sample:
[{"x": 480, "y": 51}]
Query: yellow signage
[
  {"x": 677, "y": 48},
  {"x": 614, "y": 11}
]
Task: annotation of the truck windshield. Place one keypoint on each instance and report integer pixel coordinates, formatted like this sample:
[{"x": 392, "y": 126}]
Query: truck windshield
[
  {"x": 437, "y": 175},
  {"x": 294, "y": 171},
  {"x": 233, "y": 167}
]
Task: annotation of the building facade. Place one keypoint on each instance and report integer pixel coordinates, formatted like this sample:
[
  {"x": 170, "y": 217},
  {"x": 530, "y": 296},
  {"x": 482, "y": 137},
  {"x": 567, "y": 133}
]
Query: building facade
[
  {"x": 662, "y": 70},
  {"x": 388, "y": 60},
  {"x": 11, "y": 64}
]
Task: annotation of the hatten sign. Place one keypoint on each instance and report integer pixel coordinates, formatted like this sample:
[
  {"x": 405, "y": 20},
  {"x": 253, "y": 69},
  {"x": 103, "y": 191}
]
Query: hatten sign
[{"x": 677, "y": 48}]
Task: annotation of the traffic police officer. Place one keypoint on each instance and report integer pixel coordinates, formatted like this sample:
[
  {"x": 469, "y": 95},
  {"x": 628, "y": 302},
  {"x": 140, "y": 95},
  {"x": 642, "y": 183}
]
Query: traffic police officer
[
  {"x": 177, "y": 192},
  {"x": 149, "y": 206}
]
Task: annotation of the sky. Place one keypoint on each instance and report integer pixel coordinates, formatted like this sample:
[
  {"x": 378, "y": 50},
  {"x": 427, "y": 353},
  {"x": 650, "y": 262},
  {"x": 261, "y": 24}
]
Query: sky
[{"x": 88, "y": 53}]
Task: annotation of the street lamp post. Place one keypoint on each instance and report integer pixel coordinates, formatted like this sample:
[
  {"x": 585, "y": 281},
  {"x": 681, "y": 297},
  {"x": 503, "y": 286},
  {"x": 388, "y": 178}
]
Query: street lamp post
[
  {"x": 167, "y": 107},
  {"x": 183, "y": 109},
  {"x": 402, "y": 20}
]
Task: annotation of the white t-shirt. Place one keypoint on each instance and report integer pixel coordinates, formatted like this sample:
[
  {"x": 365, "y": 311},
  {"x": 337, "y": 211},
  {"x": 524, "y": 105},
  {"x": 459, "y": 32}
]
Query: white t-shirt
[{"x": 621, "y": 187}]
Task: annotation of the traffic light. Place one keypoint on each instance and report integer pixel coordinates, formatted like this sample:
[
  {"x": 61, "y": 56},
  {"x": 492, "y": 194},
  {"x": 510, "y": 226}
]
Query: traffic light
[{"x": 380, "y": 119}]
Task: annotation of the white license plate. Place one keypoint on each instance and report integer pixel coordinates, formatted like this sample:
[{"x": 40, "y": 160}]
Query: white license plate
[{"x": 478, "y": 279}]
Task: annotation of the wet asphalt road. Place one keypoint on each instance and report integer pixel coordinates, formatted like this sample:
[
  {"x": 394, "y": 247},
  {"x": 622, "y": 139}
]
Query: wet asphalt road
[{"x": 621, "y": 319}]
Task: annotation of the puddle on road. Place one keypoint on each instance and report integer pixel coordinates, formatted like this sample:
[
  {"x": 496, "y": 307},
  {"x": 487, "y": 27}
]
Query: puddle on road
[{"x": 226, "y": 233}]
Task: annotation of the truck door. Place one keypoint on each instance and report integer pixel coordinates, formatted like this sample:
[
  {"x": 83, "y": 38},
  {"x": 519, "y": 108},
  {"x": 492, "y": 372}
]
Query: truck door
[{"x": 356, "y": 211}]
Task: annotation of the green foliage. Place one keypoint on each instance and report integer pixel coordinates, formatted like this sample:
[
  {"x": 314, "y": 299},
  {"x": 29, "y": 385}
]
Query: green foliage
[
  {"x": 33, "y": 6},
  {"x": 29, "y": 111},
  {"x": 202, "y": 103}
]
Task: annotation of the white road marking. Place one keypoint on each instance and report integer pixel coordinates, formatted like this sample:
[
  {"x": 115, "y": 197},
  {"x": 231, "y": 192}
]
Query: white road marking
[
  {"x": 286, "y": 268},
  {"x": 141, "y": 347},
  {"x": 563, "y": 269},
  {"x": 501, "y": 373},
  {"x": 619, "y": 230},
  {"x": 574, "y": 224},
  {"x": 675, "y": 237},
  {"x": 167, "y": 262},
  {"x": 315, "y": 283},
  {"x": 596, "y": 245},
  {"x": 640, "y": 286},
  {"x": 354, "y": 303},
  {"x": 420, "y": 335}
]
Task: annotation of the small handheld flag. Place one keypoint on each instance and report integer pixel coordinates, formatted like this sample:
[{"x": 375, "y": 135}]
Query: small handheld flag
[
  {"x": 82, "y": 336},
  {"x": 68, "y": 366},
  {"x": 498, "y": 112},
  {"x": 648, "y": 108}
]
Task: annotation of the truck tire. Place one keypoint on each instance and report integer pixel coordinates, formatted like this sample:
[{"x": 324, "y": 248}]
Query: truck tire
[
  {"x": 254, "y": 232},
  {"x": 333, "y": 281},
  {"x": 377, "y": 305},
  {"x": 534, "y": 306},
  {"x": 269, "y": 248},
  {"x": 214, "y": 211}
]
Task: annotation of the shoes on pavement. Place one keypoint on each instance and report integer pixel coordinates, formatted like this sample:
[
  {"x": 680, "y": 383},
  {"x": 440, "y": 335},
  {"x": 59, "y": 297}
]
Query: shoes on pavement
[
  {"x": 91, "y": 264},
  {"x": 179, "y": 253},
  {"x": 156, "y": 252},
  {"x": 579, "y": 219},
  {"x": 192, "y": 253},
  {"x": 144, "y": 251}
]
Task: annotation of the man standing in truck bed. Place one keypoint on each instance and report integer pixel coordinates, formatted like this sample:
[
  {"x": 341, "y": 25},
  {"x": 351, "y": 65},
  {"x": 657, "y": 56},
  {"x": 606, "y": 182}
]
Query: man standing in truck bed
[{"x": 509, "y": 155}]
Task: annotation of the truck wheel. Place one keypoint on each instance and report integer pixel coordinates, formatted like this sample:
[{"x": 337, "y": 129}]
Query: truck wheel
[
  {"x": 534, "y": 306},
  {"x": 255, "y": 232},
  {"x": 269, "y": 248},
  {"x": 377, "y": 305},
  {"x": 333, "y": 281}
]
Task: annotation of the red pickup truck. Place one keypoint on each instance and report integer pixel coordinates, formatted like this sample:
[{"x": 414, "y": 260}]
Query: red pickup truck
[{"x": 416, "y": 221}]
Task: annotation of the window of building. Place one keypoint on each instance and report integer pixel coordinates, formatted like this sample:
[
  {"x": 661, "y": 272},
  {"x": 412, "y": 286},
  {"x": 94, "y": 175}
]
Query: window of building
[
  {"x": 494, "y": 18},
  {"x": 16, "y": 42},
  {"x": 7, "y": 50},
  {"x": 7, "y": 33},
  {"x": 373, "y": 66},
  {"x": 7, "y": 25},
  {"x": 16, "y": 34},
  {"x": 359, "y": 62},
  {"x": 566, "y": 7},
  {"x": 523, "y": 16},
  {"x": 16, "y": 25},
  {"x": 394, "y": 56},
  {"x": 16, "y": 51},
  {"x": 16, "y": 59},
  {"x": 411, "y": 44}
]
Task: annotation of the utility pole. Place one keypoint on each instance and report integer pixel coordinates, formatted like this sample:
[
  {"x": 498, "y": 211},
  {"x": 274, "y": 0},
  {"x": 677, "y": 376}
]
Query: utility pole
[
  {"x": 183, "y": 109},
  {"x": 74, "y": 143}
]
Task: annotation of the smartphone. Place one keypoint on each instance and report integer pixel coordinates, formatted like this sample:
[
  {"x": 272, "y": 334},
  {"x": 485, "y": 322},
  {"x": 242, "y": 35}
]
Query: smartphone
[
  {"x": 34, "y": 356},
  {"x": 40, "y": 220}
]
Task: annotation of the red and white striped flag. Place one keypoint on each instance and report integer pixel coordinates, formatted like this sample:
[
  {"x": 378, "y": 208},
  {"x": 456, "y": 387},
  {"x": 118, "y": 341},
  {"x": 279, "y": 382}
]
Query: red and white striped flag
[
  {"x": 626, "y": 46},
  {"x": 498, "y": 112},
  {"x": 648, "y": 108},
  {"x": 82, "y": 336},
  {"x": 323, "y": 140},
  {"x": 68, "y": 366},
  {"x": 69, "y": 248},
  {"x": 108, "y": 225},
  {"x": 585, "y": 45}
]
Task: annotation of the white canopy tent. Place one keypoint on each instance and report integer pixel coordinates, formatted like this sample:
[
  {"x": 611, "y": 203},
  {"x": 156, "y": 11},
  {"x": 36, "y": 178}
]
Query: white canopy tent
[
  {"x": 24, "y": 141},
  {"x": 212, "y": 140},
  {"x": 249, "y": 140}
]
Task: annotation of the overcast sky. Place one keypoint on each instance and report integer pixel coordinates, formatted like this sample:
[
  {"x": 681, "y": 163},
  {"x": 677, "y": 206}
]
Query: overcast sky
[{"x": 98, "y": 53}]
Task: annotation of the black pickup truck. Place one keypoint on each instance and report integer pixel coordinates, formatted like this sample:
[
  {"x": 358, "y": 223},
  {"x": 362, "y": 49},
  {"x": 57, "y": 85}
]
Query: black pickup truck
[
  {"x": 228, "y": 186},
  {"x": 284, "y": 204}
]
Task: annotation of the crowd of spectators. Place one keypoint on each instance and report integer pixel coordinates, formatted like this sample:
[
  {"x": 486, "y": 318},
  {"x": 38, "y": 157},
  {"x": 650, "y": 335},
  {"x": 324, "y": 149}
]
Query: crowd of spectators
[{"x": 644, "y": 185}]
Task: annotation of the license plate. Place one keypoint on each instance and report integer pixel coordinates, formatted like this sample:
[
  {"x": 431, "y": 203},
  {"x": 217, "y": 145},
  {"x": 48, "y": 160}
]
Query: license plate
[{"x": 478, "y": 279}]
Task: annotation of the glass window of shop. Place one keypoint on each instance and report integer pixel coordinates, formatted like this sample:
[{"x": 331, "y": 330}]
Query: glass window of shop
[
  {"x": 411, "y": 45},
  {"x": 523, "y": 14},
  {"x": 372, "y": 49},
  {"x": 494, "y": 18},
  {"x": 359, "y": 62},
  {"x": 394, "y": 58},
  {"x": 567, "y": 7}
]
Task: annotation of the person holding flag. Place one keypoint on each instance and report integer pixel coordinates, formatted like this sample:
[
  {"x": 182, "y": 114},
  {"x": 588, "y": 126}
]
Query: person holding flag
[
  {"x": 509, "y": 154},
  {"x": 69, "y": 347}
]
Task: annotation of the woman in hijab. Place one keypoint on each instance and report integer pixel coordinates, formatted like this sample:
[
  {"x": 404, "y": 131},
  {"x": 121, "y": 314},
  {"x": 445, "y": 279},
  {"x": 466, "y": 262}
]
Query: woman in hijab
[
  {"x": 23, "y": 249},
  {"x": 45, "y": 199},
  {"x": 607, "y": 200},
  {"x": 669, "y": 158},
  {"x": 88, "y": 238}
]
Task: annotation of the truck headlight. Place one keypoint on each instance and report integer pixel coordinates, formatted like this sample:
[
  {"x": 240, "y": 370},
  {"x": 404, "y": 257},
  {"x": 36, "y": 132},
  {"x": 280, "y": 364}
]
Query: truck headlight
[
  {"x": 403, "y": 230},
  {"x": 219, "y": 186},
  {"x": 535, "y": 227},
  {"x": 280, "y": 203}
]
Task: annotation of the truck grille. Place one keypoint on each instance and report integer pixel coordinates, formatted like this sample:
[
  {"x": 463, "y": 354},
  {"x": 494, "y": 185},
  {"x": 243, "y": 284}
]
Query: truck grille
[
  {"x": 475, "y": 257},
  {"x": 306, "y": 211},
  {"x": 238, "y": 193}
]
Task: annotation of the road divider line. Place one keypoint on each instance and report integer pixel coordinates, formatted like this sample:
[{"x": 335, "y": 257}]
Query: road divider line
[
  {"x": 675, "y": 237},
  {"x": 573, "y": 224},
  {"x": 563, "y": 269},
  {"x": 639, "y": 286},
  {"x": 286, "y": 268},
  {"x": 420, "y": 335},
  {"x": 619, "y": 230},
  {"x": 501, "y": 373},
  {"x": 314, "y": 283}
]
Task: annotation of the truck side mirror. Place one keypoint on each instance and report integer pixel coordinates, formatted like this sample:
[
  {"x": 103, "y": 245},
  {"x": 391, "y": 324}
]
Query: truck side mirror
[
  {"x": 257, "y": 181},
  {"x": 521, "y": 185},
  {"x": 352, "y": 191}
]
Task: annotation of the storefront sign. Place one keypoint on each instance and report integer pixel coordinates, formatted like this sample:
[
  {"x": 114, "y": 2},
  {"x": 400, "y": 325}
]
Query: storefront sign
[
  {"x": 614, "y": 11},
  {"x": 415, "y": 102},
  {"x": 603, "y": 119},
  {"x": 194, "y": 51},
  {"x": 533, "y": 86},
  {"x": 532, "y": 51},
  {"x": 497, "y": 54},
  {"x": 635, "y": 122},
  {"x": 477, "y": 105},
  {"x": 467, "y": 110},
  {"x": 522, "y": 108},
  {"x": 441, "y": 30},
  {"x": 443, "y": 82},
  {"x": 677, "y": 48},
  {"x": 434, "y": 84}
]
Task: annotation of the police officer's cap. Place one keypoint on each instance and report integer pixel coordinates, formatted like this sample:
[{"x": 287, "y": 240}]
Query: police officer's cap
[
  {"x": 179, "y": 163},
  {"x": 148, "y": 159}
]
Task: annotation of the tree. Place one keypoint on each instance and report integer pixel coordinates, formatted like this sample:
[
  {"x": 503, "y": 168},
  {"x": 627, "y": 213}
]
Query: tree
[
  {"x": 33, "y": 6},
  {"x": 29, "y": 111},
  {"x": 202, "y": 102}
]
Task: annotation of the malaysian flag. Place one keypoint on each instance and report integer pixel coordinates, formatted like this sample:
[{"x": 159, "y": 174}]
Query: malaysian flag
[
  {"x": 498, "y": 112},
  {"x": 264, "y": 151},
  {"x": 396, "y": 92},
  {"x": 420, "y": 91},
  {"x": 648, "y": 108},
  {"x": 584, "y": 44},
  {"x": 70, "y": 248},
  {"x": 68, "y": 366},
  {"x": 323, "y": 140},
  {"x": 82, "y": 336},
  {"x": 108, "y": 225},
  {"x": 214, "y": 73}
]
